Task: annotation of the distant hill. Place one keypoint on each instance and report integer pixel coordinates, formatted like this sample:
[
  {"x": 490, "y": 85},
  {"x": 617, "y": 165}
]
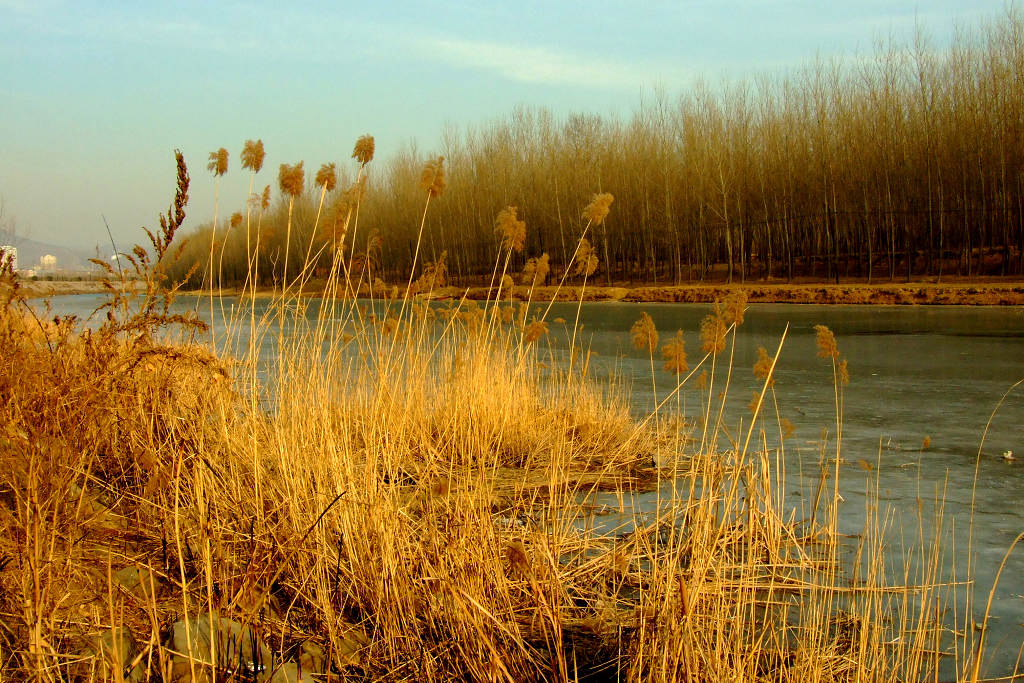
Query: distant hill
[{"x": 30, "y": 251}]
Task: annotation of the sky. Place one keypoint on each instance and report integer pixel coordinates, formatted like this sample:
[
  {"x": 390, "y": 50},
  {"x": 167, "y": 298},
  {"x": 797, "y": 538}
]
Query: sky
[{"x": 96, "y": 96}]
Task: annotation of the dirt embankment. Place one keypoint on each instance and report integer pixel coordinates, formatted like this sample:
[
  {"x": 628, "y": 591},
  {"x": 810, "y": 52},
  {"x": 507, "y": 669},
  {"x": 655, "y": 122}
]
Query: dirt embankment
[
  {"x": 991, "y": 292},
  {"x": 976, "y": 293},
  {"x": 43, "y": 288}
]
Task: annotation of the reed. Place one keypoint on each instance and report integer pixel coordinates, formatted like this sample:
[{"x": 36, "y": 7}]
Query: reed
[
  {"x": 291, "y": 180},
  {"x": 218, "y": 166}
]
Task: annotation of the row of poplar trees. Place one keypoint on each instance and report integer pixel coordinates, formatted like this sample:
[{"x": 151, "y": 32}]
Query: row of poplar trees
[{"x": 908, "y": 162}]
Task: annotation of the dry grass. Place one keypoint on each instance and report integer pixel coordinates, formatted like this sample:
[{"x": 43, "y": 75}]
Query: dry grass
[{"x": 404, "y": 494}]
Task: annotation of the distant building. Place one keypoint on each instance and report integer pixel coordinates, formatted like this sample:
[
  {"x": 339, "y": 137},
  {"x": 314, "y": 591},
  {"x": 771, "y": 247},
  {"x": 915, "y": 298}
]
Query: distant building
[
  {"x": 9, "y": 250},
  {"x": 48, "y": 262}
]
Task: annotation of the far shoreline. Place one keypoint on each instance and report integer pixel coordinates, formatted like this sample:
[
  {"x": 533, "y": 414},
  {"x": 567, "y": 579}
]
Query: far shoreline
[{"x": 962, "y": 292}]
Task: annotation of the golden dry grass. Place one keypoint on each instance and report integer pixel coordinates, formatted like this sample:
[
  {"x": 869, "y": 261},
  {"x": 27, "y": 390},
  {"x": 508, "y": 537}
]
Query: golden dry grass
[{"x": 405, "y": 493}]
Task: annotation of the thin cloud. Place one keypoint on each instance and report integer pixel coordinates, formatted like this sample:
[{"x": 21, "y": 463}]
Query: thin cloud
[
  {"x": 540, "y": 65},
  {"x": 21, "y": 7}
]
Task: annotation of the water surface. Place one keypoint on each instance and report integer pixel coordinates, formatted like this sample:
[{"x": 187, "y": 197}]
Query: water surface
[{"x": 941, "y": 376}]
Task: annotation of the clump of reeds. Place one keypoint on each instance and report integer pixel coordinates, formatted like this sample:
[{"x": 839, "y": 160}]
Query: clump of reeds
[
  {"x": 535, "y": 272},
  {"x": 434, "y": 275},
  {"x": 415, "y": 507}
]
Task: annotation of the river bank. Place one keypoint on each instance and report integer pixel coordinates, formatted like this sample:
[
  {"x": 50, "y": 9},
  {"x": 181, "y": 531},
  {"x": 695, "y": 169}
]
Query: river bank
[
  {"x": 35, "y": 289},
  {"x": 961, "y": 292},
  {"x": 925, "y": 293},
  {"x": 975, "y": 292}
]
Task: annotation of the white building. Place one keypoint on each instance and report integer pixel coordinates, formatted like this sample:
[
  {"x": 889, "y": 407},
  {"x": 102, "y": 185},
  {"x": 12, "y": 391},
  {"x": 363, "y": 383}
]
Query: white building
[
  {"x": 12, "y": 251},
  {"x": 48, "y": 262}
]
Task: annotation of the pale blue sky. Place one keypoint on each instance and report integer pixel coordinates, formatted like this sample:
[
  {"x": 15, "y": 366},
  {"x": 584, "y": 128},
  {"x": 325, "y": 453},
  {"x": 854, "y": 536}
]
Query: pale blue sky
[{"x": 94, "y": 96}]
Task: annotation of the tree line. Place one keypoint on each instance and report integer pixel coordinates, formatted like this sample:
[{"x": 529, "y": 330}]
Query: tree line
[{"x": 908, "y": 162}]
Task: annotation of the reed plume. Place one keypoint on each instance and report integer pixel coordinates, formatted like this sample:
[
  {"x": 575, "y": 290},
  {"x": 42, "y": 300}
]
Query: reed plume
[
  {"x": 363, "y": 151},
  {"x": 265, "y": 198},
  {"x": 843, "y": 369},
  {"x": 374, "y": 243},
  {"x": 586, "y": 258},
  {"x": 595, "y": 213},
  {"x": 712, "y": 332},
  {"x": 674, "y": 353},
  {"x": 702, "y": 380},
  {"x": 763, "y": 366},
  {"x": 829, "y": 350},
  {"x": 291, "y": 179},
  {"x": 597, "y": 210},
  {"x": 253, "y": 155},
  {"x": 354, "y": 196},
  {"x": 644, "y": 335},
  {"x": 826, "y": 341},
  {"x": 326, "y": 177},
  {"x": 511, "y": 229},
  {"x": 233, "y": 223},
  {"x": 432, "y": 181},
  {"x": 535, "y": 330},
  {"x": 536, "y": 270},
  {"x": 513, "y": 237},
  {"x": 218, "y": 164},
  {"x": 432, "y": 178},
  {"x": 734, "y": 306},
  {"x": 337, "y": 221}
]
